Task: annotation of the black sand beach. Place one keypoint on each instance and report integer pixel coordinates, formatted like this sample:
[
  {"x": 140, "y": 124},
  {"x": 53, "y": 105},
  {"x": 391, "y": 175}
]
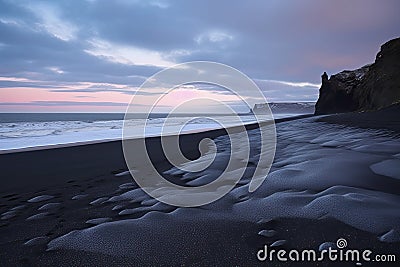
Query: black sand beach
[
  {"x": 331, "y": 179},
  {"x": 199, "y": 133},
  {"x": 386, "y": 118}
]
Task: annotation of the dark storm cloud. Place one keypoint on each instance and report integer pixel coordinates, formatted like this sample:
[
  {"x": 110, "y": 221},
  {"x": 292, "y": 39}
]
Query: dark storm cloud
[
  {"x": 103, "y": 41},
  {"x": 27, "y": 50}
]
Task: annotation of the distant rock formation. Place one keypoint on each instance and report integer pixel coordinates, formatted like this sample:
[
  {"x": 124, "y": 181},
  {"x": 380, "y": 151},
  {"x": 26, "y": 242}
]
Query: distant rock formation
[
  {"x": 260, "y": 108},
  {"x": 371, "y": 87},
  {"x": 285, "y": 107}
]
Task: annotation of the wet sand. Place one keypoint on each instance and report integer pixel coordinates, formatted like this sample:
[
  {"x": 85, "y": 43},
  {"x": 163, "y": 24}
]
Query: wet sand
[{"x": 76, "y": 206}]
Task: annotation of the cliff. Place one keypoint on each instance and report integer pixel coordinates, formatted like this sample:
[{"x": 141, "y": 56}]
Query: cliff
[
  {"x": 285, "y": 107},
  {"x": 371, "y": 87}
]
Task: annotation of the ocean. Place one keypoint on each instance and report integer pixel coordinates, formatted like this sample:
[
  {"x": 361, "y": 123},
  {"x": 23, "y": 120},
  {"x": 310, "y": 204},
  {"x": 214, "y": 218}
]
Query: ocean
[{"x": 23, "y": 130}]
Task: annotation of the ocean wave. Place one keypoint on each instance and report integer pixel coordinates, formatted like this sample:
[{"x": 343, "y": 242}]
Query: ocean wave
[{"x": 31, "y": 134}]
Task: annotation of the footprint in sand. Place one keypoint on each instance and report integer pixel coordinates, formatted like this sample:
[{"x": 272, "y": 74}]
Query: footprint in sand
[
  {"x": 50, "y": 206},
  {"x": 8, "y": 215},
  {"x": 19, "y": 207},
  {"x": 99, "y": 201},
  {"x": 97, "y": 221},
  {"x": 11, "y": 213},
  {"x": 40, "y": 198},
  {"x": 267, "y": 233},
  {"x": 11, "y": 197},
  {"x": 80, "y": 196},
  {"x": 40, "y": 240},
  {"x": 278, "y": 243},
  {"x": 37, "y": 216},
  {"x": 326, "y": 246},
  {"x": 390, "y": 168},
  {"x": 127, "y": 186}
]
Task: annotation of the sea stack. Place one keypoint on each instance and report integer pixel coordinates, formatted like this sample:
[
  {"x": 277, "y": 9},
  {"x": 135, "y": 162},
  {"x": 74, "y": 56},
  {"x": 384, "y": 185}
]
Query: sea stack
[{"x": 370, "y": 87}]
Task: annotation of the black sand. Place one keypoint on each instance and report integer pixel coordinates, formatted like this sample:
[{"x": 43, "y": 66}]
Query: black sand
[
  {"x": 386, "y": 118},
  {"x": 90, "y": 170}
]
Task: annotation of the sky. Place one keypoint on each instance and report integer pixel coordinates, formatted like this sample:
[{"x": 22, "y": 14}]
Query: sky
[{"x": 93, "y": 56}]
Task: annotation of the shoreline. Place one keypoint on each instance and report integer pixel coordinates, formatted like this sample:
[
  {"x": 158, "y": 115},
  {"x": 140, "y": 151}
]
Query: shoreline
[
  {"x": 92, "y": 142},
  {"x": 57, "y": 164},
  {"x": 68, "y": 206}
]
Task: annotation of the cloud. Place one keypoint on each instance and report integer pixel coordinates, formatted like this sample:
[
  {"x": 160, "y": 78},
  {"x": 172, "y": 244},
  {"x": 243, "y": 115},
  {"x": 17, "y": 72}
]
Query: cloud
[
  {"x": 75, "y": 87},
  {"x": 274, "y": 91},
  {"x": 213, "y": 37},
  {"x": 15, "y": 79},
  {"x": 159, "y": 4},
  {"x": 56, "y": 70},
  {"x": 61, "y": 45},
  {"x": 50, "y": 20},
  {"x": 284, "y": 91},
  {"x": 97, "y": 89},
  {"x": 128, "y": 55},
  {"x": 294, "y": 84}
]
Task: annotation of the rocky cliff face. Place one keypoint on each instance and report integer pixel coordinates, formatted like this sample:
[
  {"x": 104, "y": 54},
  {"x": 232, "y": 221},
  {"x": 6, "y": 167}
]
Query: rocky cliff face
[{"x": 371, "y": 87}]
